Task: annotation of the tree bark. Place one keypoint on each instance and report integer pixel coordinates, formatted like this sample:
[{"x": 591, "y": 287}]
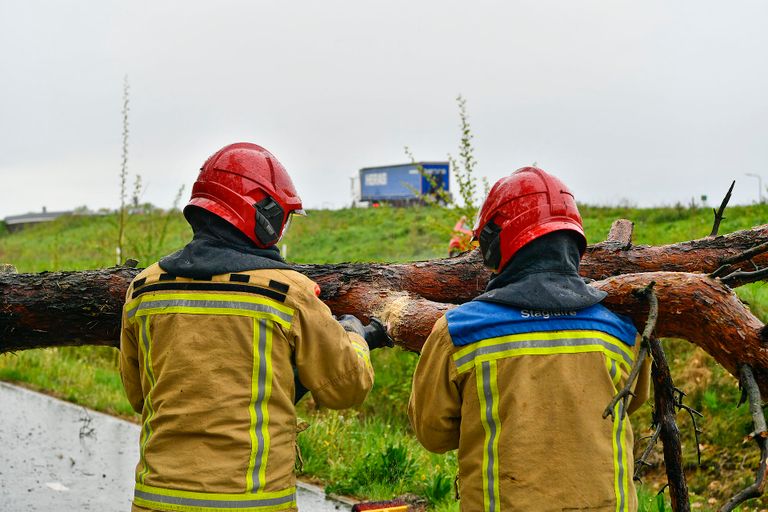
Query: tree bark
[
  {"x": 80, "y": 308},
  {"x": 458, "y": 280}
]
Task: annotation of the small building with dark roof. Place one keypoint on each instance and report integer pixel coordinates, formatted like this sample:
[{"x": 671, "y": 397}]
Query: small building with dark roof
[{"x": 16, "y": 223}]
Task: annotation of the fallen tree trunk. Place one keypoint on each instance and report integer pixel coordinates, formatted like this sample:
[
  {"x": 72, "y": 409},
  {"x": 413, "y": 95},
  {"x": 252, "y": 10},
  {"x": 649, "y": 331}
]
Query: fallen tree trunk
[
  {"x": 458, "y": 280},
  {"x": 83, "y": 308}
]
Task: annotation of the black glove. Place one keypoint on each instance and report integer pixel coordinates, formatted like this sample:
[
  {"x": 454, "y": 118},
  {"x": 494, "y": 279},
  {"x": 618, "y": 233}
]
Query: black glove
[{"x": 375, "y": 333}]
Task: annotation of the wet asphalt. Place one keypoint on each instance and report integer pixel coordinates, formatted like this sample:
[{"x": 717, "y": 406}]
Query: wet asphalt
[{"x": 57, "y": 456}]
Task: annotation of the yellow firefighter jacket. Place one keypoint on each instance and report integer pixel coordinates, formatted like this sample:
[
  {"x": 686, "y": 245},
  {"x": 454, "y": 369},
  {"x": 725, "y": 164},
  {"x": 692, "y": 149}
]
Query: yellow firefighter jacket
[
  {"x": 209, "y": 365},
  {"x": 521, "y": 394}
]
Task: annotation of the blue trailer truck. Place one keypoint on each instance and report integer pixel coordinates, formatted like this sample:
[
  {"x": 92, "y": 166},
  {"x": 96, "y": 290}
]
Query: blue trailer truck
[{"x": 403, "y": 184}]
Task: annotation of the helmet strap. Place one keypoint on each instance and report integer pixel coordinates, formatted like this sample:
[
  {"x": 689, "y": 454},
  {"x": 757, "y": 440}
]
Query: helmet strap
[
  {"x": 489, "y": 244},
  {"x": 269, "y": 221}
]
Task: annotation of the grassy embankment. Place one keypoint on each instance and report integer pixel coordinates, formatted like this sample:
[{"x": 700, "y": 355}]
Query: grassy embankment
[{"x": 370, "y": 451}]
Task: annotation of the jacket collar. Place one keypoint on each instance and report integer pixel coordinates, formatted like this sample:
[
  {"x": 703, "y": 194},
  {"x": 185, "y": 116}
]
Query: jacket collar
[{"x": 544, "y": 275}]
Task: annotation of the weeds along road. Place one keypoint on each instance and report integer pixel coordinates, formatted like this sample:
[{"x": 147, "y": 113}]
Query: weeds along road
[{"x": 56, "y": 456}]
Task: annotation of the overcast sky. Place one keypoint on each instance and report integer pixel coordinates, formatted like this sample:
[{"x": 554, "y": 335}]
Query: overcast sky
[{"x": 640, "y": 102}]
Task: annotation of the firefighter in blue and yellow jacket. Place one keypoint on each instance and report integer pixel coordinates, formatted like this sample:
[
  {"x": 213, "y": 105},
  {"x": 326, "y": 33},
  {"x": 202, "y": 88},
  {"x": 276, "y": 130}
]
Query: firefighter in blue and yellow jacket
[
  {"x": 517, "y": 379},
  {"x": 220, "y": 339}
]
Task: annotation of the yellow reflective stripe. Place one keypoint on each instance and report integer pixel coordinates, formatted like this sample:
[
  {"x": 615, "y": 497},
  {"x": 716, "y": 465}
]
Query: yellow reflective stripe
[
  {"x": 488, "y": 394},
  {"x": 145, "y": 342},
  {"x": 620, "y": 465},
  {"x": 362, "y": 351},
  {"x": 210, "y": 304},
  {"x": 613, "y": 372},
  {"x": 130, "y": 307},
  {"x": 542, "y": 343},
  {"x": 261, "y": 390},
  {"x": 187, "y": 501}
]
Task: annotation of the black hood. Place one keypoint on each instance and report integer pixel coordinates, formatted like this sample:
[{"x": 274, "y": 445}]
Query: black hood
[
  {"x": 217, "y": 248},
  {"x": 544, "y": 275}
]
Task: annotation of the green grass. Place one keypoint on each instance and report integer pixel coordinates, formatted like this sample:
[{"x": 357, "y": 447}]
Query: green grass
[
  {"x": 371, "y": 452},
  {"x": 368, "y": 456},
  {"x": 75, "y": 242},
  {"x": 83, "y": 375}
]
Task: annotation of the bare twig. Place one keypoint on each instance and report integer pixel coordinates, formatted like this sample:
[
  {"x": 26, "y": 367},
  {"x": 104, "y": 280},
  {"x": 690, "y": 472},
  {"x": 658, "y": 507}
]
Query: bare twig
[
  {"x": 626, "y": 391},
  {"x": 650, "y": 325},
  {"x": 719, "y": 213},
  {"x": 740, "y": 278},
  {"x": 748, "y": 254},
  {"x": 748, "y": 384},
  {"x": 643, "y": 460},
  {"x": 653, "y": 309},
  {"x": 744, "y": 256},
  {"x": 679, "y": 395}
]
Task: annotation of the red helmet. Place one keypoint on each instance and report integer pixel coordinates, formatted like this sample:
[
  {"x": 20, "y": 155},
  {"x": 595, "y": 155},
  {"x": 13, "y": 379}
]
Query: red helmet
[
  {"x": 245, "y": 185},
  {"x": 520, "y": 208}
]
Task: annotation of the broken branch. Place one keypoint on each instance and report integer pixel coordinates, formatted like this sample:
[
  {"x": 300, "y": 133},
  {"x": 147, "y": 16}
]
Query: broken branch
[
  {"x": 650, "y": 325},
  {"x": 643, "y": 460},
  {"x": 664, "y": 416},
  {"x": 748, "y": 384},
  {"x": 719, "y": 213}
]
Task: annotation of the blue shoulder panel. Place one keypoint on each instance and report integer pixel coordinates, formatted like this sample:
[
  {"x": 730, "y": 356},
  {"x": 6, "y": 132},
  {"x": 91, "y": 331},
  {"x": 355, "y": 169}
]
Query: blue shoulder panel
[{"x": 479, "y": 320}]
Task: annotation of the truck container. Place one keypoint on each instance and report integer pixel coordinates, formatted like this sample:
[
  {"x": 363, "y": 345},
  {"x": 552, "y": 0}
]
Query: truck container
[{"x": 403, "y": 184}]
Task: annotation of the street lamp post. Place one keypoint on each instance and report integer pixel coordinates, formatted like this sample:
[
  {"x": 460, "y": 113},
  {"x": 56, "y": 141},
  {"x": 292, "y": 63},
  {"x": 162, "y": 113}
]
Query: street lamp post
[{"x": 759, "y": 185}]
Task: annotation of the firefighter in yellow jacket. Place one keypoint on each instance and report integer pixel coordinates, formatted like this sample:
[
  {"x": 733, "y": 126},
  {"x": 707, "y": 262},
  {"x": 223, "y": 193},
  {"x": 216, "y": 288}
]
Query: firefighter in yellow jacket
[
  {"x": 517, "y": 379},
  {"x": 220, "y": 339}
]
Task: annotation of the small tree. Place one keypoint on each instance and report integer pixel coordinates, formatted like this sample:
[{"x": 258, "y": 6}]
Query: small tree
[
  {"x": 464, "y": 170},
  {"x": 123, "y": 177}
]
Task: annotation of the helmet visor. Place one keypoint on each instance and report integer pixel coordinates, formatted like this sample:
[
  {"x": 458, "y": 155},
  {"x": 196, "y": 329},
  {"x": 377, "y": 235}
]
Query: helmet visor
[
  {"x": 476, "y": 225},
  {"x": 285, "y": 227}
]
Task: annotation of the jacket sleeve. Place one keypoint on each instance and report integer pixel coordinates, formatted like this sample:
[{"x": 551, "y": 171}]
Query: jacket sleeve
[
  {"x": 130, "y": 372},
  {"x": 435, "y": 404},
  {"x": 333, "y": 364}
]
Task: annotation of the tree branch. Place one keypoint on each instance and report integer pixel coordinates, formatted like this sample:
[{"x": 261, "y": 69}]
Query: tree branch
[
  {"x": 692, "y": 413},
  {"x": 643, "y": 460},
  {"x": 749, "y": 386},
  {"x": 620, "y": 234},
  {"x": 719, "y": 213},
  {"x": 650, "y": 325},
  {"x": 664, "y": 416},
  {"x": 740, "y": 278}
]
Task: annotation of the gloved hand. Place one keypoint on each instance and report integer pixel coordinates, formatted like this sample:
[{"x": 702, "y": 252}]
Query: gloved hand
[{"x": 375, "y": 334}]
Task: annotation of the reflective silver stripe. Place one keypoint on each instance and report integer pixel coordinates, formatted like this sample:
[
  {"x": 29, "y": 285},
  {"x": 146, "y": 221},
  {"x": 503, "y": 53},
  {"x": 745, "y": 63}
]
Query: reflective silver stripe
[
  {"x": 210, "y": 304},
  {"x": 613, "y": 370},
  {"x": 488, "y": 394},
  {"x": 261, "y": 388},
  {"x": 214, "y": 504},
  {"x": 621, "y": 498},
  {"x": 520, "y": 345}
]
